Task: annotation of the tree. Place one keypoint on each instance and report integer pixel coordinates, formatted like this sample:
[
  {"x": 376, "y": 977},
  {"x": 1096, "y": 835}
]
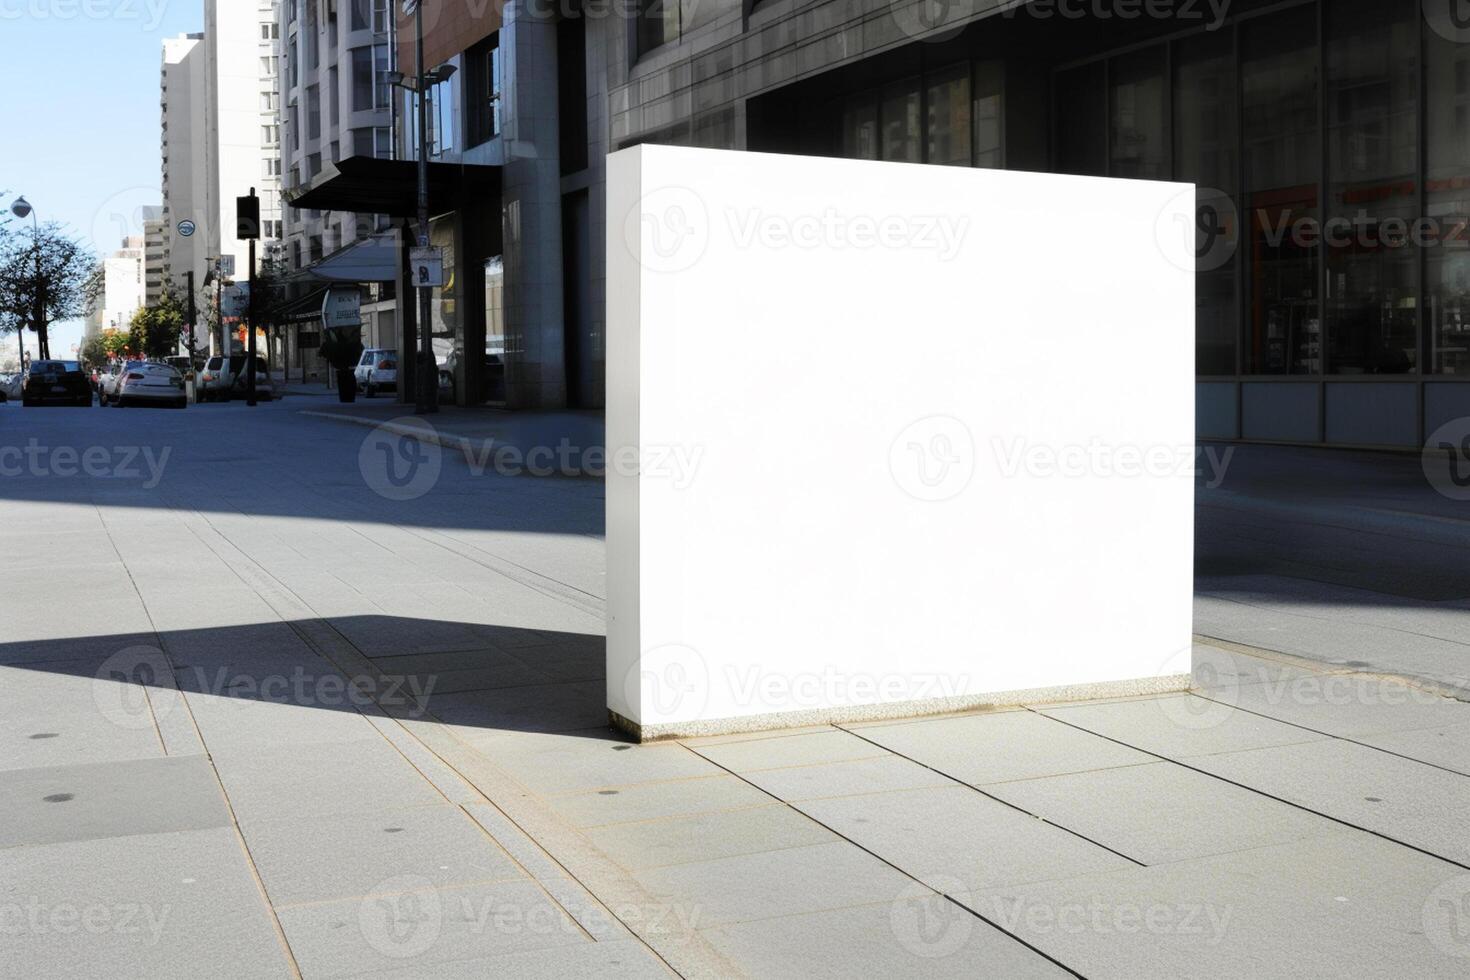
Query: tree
[
  {"x": 45, "y": 276},
  {"x": 155, "y": 330}
]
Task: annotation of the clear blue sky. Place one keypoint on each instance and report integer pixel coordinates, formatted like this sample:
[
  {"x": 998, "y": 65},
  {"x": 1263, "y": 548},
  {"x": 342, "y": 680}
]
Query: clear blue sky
[{"x": 81, "y": 113}]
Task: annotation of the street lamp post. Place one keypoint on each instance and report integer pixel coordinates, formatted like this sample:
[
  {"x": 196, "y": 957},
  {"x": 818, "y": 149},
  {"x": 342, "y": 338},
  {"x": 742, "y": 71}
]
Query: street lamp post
[
  {"x": 427, "y": 390},
  {"x": 22, "y": 209}
]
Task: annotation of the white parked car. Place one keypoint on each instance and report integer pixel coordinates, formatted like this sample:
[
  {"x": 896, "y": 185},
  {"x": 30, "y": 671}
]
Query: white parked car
[
  {"x": 148, "y": 383},
  {"x": 223, "y": 378},
  {"x": 111, "y": 379},
  {"x": 377, "y": 370}
]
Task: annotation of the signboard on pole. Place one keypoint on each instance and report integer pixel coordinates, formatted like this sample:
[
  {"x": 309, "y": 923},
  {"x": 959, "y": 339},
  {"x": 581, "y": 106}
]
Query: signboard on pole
[
  {"x": 342, "y": 307},
  {"x": 427, "y": 263},
  {"x": 234, "y": 301}
]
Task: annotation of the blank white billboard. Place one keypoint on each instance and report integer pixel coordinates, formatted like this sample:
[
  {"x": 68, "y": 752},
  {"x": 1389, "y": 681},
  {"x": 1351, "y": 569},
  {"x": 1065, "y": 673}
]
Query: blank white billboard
[{"x": 888, "y": 439}]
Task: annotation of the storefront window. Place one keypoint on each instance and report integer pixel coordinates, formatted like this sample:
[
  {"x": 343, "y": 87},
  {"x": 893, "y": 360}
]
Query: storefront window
[
  {"x": 947, "y": 122},
  {"x": 1372, "y": 139},
  {"x": 1138, "y": 144},
  {"x": 860, "y": 128},
  {"x": 989, "y": 114},
  {"x": 1081, "y": 121},
  {"x": 1281, "y": 143},
  {"x": 901, "y": 133},
  {"x": 1205, "y": 141},
  {"x": 1447, "y": 193}
]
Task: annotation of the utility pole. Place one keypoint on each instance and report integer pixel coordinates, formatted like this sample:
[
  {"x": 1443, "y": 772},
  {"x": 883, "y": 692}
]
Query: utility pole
[
  {"x": 426, "y": 395},
  {"x": 192, "y": 313},
  {"x": 247, "y": 226}
]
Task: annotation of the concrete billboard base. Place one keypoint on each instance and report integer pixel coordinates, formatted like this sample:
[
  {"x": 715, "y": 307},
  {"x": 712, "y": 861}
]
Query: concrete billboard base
[{"x": 889, "y": 440}]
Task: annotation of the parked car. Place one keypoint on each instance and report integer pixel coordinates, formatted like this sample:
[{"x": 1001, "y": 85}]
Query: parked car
[
  {"x": 493, "y": 377},
  {"x": 377, "y": 370},
  {"x": 150, "y": 383},
  {"x": 110, "y": 379},
  {"x": 9, "y": 386},
  {"x": 184, "y": 364},
  {"x": 217, "y": 380},
  {"x": 265, "y": 390},
  {"x": 55, "y": 383}
]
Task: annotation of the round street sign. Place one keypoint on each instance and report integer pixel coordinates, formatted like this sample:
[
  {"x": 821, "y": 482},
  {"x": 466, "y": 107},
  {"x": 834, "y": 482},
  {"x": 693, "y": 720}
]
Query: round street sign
[{"x": 186, "y": 228}]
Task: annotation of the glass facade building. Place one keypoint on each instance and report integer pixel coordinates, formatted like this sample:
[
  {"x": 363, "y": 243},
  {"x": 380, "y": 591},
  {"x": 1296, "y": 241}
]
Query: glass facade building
[{"x": 1329, "y": 141}]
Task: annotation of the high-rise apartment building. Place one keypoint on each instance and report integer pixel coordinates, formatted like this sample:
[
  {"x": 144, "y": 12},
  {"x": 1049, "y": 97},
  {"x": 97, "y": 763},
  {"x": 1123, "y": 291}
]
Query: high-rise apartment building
[
  {"x": 186, "y": 207},
  {"x": 242, "y": 139},
  {"x": 124, "y": 288},
  {"x": 155, "y": 254}
]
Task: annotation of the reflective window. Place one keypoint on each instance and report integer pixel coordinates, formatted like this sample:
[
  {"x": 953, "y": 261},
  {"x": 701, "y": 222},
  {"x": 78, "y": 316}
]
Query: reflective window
[
  {"x": 1281, "y": 143},
  {"x": 947, "y": 116},
  {"x": 900, "y": 120},
  {"x": 1447, "y": 193},
  {"x": 1081, "y": 121},
  {"x": 658, "y": 23},
  {"x": 1205, "y": 141},
  {"x": 860, "y": 129},
  {"x": 1372, "y": 138},
  {"x": 989, "y": 118},
  {"x": 1138, "y": 142}
]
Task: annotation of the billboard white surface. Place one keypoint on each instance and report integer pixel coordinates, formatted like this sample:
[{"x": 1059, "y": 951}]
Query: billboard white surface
[{"x": 887, "y": 439}]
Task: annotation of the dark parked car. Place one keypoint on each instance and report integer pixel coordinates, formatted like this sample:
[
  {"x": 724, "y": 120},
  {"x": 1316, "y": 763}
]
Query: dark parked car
[{"x": 56, "y": 383}]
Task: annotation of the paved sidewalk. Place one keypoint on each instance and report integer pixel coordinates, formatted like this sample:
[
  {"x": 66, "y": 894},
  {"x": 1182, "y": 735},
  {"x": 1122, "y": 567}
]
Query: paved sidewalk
[{"x": 258, "y": 720}]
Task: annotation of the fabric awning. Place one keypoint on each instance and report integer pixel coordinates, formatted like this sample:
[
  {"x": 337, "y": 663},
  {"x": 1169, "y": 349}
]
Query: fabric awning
[{"x": 367, "y": 185}]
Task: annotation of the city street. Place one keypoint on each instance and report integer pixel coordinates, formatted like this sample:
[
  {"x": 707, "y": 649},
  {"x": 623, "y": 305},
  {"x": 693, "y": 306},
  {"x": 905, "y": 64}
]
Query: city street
[{"x": 265, "y": 712}]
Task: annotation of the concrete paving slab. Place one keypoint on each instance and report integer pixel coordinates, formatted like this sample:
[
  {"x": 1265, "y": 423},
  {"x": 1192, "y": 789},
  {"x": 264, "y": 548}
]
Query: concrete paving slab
[
  {"x": 1162, "y": 812},
  {"x": 563, "y": 763},
  {"x": 770, "y": 884},
  {"x": 333, "y": 778},
  {"x": 785, "y": 749},
  {"x": 55, "y": 717},
  {"x": 1328, "y": 907},
  {"x": 1406, "y": 800},
  {"x": 915, "y": 937},
  {"x": 615, "y": 960},
  {"x": 231, "y": 724},
  {"x": 651, "y": 801},
  {"x": 411, "y": 920},
  {"x": 312, "y": 859},
  {"x": 707, "y": 836},
  {"x": 850, "y": 778},
  {"x": 953, "y": 833},
  {"x": 1448, "y": 748},
  {"x": 1004, "y": 745},
  {"x": 174, "y": 905},
  {"x": 526, "y": 852},
  {"x": 109, "y": 799},
  {"x": 1180, "y": 726},
  {"x": 1352, "y": 705},
  {"x": 42, "y": 648},
  {"x": 541, "y": 708}
]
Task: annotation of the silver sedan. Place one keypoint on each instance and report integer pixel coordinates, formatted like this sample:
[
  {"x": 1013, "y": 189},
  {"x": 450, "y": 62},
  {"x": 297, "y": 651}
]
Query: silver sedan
[{"x": 148, "y": 383}]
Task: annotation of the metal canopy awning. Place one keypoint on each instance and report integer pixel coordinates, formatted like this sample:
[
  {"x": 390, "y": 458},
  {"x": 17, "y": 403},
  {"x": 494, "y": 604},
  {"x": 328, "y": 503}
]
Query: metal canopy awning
[
  {"x": 367, "y": 185},
  {"x": 373, "y": 259},
  {"x": 307, "y": 309}
]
